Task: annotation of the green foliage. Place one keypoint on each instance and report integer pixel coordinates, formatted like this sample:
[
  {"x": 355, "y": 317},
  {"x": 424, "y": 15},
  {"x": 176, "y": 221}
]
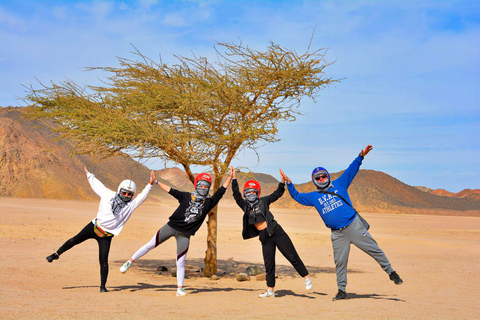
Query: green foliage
[{"x": 193, "y": 112}]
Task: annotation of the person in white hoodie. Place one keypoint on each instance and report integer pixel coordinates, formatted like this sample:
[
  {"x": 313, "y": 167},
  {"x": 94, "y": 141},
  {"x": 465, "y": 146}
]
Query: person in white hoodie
[{"x": 114, "y": 210}]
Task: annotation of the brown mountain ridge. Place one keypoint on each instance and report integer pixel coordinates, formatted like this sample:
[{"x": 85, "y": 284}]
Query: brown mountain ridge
[{"x": 35, "y": 165}]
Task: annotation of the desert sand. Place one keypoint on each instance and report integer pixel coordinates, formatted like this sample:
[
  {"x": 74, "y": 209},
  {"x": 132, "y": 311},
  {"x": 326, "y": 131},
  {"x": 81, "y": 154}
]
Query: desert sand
[{"x": 438, "y": 258}]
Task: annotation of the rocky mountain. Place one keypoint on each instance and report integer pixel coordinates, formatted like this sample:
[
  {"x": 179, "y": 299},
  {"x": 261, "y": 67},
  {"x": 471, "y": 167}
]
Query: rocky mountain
[{"x": 33, "y": 164}]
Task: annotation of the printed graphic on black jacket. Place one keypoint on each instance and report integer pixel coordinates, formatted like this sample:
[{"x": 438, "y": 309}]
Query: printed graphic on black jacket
[{"x": 194, "y": 211}]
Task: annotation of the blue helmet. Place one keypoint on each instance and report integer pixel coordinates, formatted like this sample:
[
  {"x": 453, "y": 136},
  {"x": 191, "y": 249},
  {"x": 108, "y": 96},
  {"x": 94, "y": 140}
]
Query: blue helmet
[{"x": 320, "y": 170}]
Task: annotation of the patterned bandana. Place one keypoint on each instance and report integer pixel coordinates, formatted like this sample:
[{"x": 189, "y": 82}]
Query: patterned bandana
[
  {"x": 203, "y": 191},
  {"x": 118, "y": 204},
  {"x": 251, "y": 197},
  {"x": 197, "y": 197}
]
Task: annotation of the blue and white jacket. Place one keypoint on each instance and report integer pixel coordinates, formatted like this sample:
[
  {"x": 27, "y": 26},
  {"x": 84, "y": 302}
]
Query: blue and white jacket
[{"x": 335, "y": 213}]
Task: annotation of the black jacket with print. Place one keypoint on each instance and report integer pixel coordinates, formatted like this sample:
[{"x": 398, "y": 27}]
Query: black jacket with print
[
  {"x": 189, "y": 215},
  {"x": 249, "y": 230}
]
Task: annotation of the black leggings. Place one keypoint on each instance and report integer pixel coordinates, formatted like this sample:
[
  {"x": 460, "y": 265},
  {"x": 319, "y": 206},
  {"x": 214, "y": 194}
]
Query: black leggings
[
  {"x": 280, "y": 240},
  {"x": 103, "y": 247}
]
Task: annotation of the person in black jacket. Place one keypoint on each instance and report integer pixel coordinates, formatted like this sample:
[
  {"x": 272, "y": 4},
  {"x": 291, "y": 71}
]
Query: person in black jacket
[
  {"x": 259, "y": 221},
  {"x": 184, "y": 222}
]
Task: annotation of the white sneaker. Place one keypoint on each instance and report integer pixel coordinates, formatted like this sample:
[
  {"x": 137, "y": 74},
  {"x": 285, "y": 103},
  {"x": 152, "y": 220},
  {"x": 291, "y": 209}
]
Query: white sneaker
[
  {"x": 308, "y": 284},
  {"x": 267, "y": 294},
  {"x": 181, "y": 292},
  {"x": 125, "y": 266}
]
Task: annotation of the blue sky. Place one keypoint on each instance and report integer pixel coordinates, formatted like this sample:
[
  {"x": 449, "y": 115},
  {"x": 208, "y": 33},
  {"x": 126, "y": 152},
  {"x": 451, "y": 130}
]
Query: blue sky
[{"x": 411, "y": 69}]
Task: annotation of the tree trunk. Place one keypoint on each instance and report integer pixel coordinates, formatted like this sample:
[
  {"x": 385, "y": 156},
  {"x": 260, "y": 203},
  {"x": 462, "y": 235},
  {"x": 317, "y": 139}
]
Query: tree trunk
[{"x": 211, "y": 253}]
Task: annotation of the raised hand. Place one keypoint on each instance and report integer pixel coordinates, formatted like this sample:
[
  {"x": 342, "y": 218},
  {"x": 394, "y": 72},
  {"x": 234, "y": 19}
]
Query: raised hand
[
  {"x": 152, "y": 177},
  {"x": 365, "y": 151},
  {"x": 284, "y": 177}
]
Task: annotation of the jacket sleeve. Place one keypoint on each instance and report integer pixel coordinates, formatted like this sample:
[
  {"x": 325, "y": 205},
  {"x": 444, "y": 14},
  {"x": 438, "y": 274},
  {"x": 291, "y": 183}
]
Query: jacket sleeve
[
  {"x": 96, "y": 185},
  {"x": 142, "y": 196},
  {"x": 236, "y": 194},
  {"x": 275, "y": 195},
  {"x": 347, "y": 176},
  {"x": 301, "y": 198},
  {"x": 176, "y": 194},
  {"x": 217, "y": 196}
]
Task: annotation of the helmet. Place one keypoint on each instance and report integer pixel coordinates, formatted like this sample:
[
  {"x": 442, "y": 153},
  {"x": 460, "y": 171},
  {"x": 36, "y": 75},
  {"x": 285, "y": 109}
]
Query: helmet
[
  {"x": 319, "y": 170},
  {"x": 127, "y": 185},
  {"x": 204, "y": 177},
  {"x": 252, "y": 184}
]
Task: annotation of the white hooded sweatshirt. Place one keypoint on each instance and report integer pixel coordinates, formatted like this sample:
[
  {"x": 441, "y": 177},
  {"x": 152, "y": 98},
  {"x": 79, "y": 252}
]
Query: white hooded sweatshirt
[{"x": 105, "y": 217}]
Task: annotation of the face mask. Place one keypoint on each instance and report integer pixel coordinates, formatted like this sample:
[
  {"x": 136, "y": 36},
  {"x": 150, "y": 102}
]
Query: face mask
[
  {"x": 202, "y": 191},
  {"x": 125, "y": 198},
  {"x": 251, "y": 197},
  {"x": 322, "y": 185}
]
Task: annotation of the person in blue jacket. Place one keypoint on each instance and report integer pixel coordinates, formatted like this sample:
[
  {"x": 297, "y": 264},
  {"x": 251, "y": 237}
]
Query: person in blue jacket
[{"x": 334, "y": 206}]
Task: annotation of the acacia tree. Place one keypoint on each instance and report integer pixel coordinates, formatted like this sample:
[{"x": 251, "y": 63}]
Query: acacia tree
[{"x": 194, "y": 112}]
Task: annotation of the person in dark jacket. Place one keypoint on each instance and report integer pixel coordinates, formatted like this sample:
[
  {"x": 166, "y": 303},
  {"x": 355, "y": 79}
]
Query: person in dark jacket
[
  {"x": 259, "y": 221},
  {"x": 184, "y": 222}
]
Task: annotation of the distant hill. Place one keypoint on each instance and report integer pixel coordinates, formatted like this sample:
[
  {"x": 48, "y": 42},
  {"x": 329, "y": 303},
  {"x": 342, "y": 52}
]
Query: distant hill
[
  {"x": 465, "y": 194},
  {"x": 35, "y": 165}
]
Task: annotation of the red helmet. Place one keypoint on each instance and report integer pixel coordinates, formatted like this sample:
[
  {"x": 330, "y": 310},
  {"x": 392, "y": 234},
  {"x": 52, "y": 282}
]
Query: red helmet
[
  {"x": 203, "y": 176},
  {"x": 252, "y": 184}
]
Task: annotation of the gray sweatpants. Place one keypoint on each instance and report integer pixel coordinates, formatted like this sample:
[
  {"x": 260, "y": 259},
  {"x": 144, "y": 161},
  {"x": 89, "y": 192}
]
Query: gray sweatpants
[
  {"x": 183, "y": 243},
  {"x": 357, "y": 234}
]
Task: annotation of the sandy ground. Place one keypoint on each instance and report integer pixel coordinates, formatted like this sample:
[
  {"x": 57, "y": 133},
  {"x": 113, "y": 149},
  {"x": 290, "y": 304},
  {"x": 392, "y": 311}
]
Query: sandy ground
[{"x": 437, "y": 257}]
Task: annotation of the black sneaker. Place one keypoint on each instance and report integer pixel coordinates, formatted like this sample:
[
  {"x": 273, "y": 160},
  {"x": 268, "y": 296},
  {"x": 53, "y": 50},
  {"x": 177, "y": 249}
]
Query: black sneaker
[
  {"x": 53, "y": 256},
  {"x": 103, "y": 289},
  {"x": 341, "y": 295},
  {"x": 395, "y": 278}
]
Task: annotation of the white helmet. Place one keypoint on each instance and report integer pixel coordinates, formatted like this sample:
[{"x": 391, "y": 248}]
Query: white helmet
[{"x": 127, "y": 185}]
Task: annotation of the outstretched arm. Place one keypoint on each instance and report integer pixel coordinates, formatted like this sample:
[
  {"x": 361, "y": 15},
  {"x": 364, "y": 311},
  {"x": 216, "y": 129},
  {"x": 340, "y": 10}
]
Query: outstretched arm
[
  {"x": 230, "y": 177},
  {"x": 140, "y": 198},
  {"x": 274, "y": 196},
  {"x": 95, "y": 184},
  {"x": 349, "y": 174},
  {"x": 236, "y": 192},
  {"x": 163, "y": 185},
  {"x": 301, "y": 198}
]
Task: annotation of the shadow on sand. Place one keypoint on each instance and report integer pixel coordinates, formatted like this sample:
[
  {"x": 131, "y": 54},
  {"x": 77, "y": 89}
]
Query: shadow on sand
[{"x": 225, "y": 268}]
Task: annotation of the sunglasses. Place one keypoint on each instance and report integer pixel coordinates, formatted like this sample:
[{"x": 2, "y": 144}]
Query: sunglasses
[
  {"x": 322, "y": 176},
  {"x": 127, "y": 193}
]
